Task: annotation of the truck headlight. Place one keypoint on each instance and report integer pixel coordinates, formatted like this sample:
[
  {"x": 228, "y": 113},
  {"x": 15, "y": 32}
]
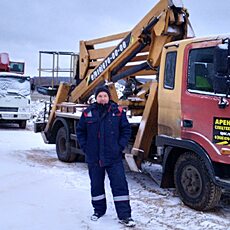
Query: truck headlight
[{"x": 24, "y": 110}]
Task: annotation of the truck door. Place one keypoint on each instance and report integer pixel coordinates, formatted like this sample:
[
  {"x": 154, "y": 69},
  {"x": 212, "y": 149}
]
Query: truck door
[
  {"x": 203, "y": 121},
  {"x": 169, "y": 100}
]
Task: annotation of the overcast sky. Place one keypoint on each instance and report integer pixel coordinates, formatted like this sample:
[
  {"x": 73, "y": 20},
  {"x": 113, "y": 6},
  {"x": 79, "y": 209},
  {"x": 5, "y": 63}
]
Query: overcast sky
[{"x": 29, "y": 26}]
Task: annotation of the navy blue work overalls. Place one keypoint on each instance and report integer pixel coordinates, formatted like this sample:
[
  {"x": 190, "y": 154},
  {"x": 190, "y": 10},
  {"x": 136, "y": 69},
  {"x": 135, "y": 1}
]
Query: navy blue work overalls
[{"x": 103, "y": 132}]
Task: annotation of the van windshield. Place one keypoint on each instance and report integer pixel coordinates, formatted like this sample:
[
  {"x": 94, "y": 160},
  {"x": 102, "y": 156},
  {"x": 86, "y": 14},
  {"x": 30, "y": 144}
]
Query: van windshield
[{"x": 14, "y": 85}]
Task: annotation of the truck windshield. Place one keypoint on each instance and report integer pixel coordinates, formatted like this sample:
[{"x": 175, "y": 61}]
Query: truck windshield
[{"x": 14, "y": 85}]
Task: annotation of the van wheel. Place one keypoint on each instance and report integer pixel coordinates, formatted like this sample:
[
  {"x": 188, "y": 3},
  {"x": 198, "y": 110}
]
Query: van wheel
[
  {"x": 193, "y": 183},
  {"x": 63, "y": 147},
  {"x": 22, "y": 124}
]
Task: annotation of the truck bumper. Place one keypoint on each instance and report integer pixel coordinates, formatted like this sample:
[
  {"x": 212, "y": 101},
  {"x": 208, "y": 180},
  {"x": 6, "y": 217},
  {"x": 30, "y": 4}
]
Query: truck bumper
[{"x": 14, "y": 116}]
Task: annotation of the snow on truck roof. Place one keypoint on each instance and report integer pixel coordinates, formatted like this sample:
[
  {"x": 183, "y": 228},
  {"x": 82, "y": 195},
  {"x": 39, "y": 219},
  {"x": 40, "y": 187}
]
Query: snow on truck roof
[{"x": 13, "y": 74}]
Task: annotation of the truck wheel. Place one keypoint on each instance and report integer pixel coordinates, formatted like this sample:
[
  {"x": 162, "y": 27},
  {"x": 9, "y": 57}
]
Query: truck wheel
[
  {"x": 63, "y": 148},
  {"x": 22, "y": 124},
  {"x": 193, "y": 183}
]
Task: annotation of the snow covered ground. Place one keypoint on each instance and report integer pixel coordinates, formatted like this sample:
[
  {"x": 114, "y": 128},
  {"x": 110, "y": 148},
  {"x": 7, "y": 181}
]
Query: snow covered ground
[{"x": 39, "y": 192}]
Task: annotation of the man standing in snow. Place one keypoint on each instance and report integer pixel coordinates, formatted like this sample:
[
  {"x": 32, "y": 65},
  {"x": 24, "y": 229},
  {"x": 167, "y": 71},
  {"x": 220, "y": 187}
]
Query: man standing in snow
[{"x": 103, "y": 132}]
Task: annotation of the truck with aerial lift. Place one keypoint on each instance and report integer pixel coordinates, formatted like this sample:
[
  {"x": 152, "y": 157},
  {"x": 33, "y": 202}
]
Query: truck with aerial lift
[
  {"x": 14, "y": 92},
  {"x": 180, "y": 114}
]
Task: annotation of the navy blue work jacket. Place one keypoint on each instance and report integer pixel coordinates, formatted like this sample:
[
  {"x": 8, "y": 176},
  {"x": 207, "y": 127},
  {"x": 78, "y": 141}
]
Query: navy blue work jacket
[{"x": 103, "y": 137}]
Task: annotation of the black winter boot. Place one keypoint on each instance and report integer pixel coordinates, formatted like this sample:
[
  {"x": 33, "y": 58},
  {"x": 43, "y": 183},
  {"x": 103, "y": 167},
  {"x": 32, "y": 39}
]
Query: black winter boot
[
  {"x": 95, "y": 216},
  {"x": 128, "y": 222}
]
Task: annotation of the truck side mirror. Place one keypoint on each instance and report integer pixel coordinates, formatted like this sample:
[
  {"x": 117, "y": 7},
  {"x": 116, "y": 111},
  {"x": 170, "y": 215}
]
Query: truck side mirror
[
  {"x": 221, "y": 69},
  {"x": 221, "y": 59},
  {"x": 220, "y": 84}
]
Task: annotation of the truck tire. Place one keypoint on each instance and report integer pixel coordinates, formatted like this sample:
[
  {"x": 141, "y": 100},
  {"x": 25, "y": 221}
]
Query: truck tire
[
  {"x": 22, "y": 124},
  {"x": 63, "y": 148},
  {"x": 193, "y": 183}
]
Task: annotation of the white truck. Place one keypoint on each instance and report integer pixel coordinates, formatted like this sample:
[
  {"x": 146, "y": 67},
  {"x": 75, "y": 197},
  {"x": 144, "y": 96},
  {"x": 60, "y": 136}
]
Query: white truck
[{"x": 14, "y": 92}]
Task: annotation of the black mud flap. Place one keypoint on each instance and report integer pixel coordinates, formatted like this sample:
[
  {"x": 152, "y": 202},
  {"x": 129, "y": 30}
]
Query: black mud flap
[{"x": 39, "y": 126}]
